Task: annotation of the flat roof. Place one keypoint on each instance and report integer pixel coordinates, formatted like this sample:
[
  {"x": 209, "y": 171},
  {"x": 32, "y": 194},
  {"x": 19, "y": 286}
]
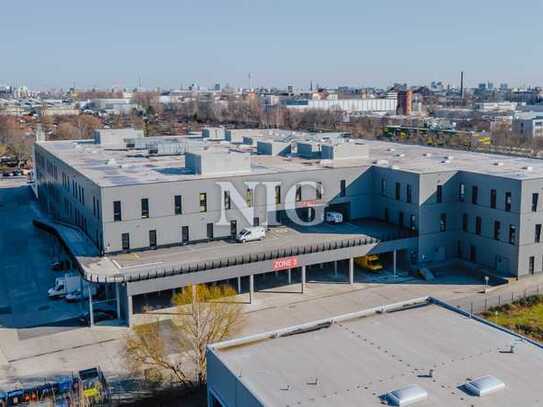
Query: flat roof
[
  {"x": 133, "y": 167},
  {"x": 359, "y": 358}
]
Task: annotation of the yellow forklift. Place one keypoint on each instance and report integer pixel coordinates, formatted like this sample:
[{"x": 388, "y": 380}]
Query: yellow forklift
[{"x": 370, "y": 262}]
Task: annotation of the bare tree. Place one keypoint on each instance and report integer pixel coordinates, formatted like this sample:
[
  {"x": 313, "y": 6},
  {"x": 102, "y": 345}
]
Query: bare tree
[{"x": 204, "y": 315}]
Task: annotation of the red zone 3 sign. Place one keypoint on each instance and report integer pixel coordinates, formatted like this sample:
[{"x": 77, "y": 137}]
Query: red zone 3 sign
[{"x": 285, "y": 263}]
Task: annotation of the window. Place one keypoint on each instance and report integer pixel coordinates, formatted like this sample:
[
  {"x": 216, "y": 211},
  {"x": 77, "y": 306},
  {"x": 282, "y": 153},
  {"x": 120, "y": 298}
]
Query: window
[
  {"x": 125, "y": 237},
  {"x": 298, "y": 193},
  {"x": 443, "y": 222},
  {"x": 152, "y": 239},
  {"x": 508, "y": 201},
  {"x": 400, "y": 219},
  {"x": 512, "y": 234},
  {"x": 478, "y": 225},
  {"x": 249, "y": 197},
  {"x": 497, "y": 227},
  {"x": 383, "y": 186},
  {"x": 210, "y": 231},
  {"x": 397, "y": 191},
  {"x": 412, "y": 222},
  {"x": 408, "y": 194},
  {"x": 465, "y": 222},
  {"x": 178, "y": 204},
  {"x": 318, "y": 191},
  {"x": 203, "y": 202},
  {"x": 256, "y": 221},
  {"x": 537, "y": 234},
  {"x": 493, "y": 198},
  {"x": 227, "y": 200},
  {"x": 461, "y": 192},
  {"x": 144, "y": 208},
  {"x": 277, "y": 194},
  {"x": 386, "y": 215},
  {"x": 117, "y": 215},
  {"x": 342, "y": 188},
  {"x": 233, "y": 229},
  {"x": 439, "y": 194},
  {"x": 531, "y": 264},
  {"x": 474, "y": 195},
  {"x": 535, "y": 198},
  {"x": 459, "y": 249}
]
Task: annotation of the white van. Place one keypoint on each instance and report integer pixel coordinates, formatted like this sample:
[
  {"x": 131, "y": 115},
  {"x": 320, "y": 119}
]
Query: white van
[
  {"x": 252, "y": 234},
  {"x": 334, "y": 217}
]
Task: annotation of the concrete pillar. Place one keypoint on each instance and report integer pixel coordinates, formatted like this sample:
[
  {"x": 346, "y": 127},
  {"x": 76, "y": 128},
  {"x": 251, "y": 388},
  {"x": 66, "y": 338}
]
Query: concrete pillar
[
  {"x": 251, "y": 288},
  {"x": 351, "y": 270},
  {"x": 289, "y": 276},
  {"x": 239, "y": 285},
  {"x": 335, "y": 268},
  {"x": 91, "y": 311},
  {"x": 118, "y": 300},
  {"x": 394, "y": 262},
  {"x": 129, "y": 310},
  {"x": 303, "y": 278},
  {"x": 193, "y": 293}
]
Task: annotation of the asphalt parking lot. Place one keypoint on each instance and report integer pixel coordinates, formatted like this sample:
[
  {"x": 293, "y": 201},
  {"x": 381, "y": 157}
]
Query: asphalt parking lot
[{"x": 26, "y": 254}]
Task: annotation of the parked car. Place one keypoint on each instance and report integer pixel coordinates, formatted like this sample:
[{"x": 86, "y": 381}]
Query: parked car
[
  {"x": 370, "y": 262},
  {"x": 334, "y": 217},
  {"x": 252, "y": 234},
  {"x": 99, "y": 316}
]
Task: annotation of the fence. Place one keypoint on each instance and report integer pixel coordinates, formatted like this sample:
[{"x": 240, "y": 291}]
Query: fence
[{"x": 495, "y": 300}]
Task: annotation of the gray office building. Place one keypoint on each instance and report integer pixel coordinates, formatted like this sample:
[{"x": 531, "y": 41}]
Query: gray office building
[{"x": 163, "y": 199}]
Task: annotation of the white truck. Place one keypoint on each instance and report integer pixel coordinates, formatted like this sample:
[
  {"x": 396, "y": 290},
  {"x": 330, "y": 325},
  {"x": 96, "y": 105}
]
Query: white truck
[
  {"x": 252, "y": 234},
  {"x": 66, "y": 285}
]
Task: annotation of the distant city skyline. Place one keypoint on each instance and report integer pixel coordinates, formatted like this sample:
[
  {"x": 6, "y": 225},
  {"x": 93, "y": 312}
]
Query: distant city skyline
[{"x": 99, "y": 44}]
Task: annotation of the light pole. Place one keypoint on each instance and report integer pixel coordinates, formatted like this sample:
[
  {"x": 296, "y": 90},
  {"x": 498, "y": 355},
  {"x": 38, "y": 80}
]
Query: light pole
[{"x": 486, "y": 283}]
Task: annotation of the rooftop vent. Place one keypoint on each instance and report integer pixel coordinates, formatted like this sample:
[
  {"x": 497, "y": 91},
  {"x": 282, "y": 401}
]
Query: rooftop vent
[
  {"x": 484, "y": 385},
  {"x": 400, "y": 155},
  {"x": 445, "y": 162},
  {"x": 407, "y": 395},
  {"x": 427, "y": 154},
  {"x": 449, "y": 157},
  {"x": 498, "y": 164},
  {"x": 391, "y": 149},
  {"x": 381, "y": 162},
  {"x": 528, "y": 168}
]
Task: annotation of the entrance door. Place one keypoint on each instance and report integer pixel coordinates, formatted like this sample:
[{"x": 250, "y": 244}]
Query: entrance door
[
  {"x": 233, "y": 229},
  {"x": 210, "y": 231},
  {"x": 152, "y": 239},
  {"x": 184, "y": 235},
  {"x": 502, "y": 265}
]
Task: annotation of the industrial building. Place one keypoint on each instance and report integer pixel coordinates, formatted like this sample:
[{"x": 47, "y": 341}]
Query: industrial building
[
  {"x": 381, "y": 356},
  {"x": 528, "y": 126},
  {"x": 153, "y": 214}
]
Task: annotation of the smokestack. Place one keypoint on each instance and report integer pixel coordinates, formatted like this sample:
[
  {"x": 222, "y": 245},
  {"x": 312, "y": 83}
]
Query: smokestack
[{"x": 462, "y": 85}]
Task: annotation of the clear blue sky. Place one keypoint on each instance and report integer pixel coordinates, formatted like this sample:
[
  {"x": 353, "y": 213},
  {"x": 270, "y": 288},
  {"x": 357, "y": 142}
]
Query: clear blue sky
[{"x": 353, "y": 42}]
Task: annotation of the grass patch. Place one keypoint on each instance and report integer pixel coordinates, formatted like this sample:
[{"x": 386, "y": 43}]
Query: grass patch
[{"x": 524, "y": 316}]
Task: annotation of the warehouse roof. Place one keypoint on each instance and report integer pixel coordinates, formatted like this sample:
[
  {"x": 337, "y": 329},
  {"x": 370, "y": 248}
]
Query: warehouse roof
[
  {"x": 358, "y": 359},
  {"x": 111, "y": 166}
]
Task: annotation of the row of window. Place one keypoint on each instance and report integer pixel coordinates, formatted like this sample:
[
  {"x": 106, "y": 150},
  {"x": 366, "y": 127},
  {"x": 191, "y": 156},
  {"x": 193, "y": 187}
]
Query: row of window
[
  {"x": 398, "y": 190},
  {"x": 497, "y": 228},
  {"x": 508, "y": 200},
  {"x": 184, "y": 236},
  {"x": 202, "y": 200},
  {"x": 401, "y": 219}
]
